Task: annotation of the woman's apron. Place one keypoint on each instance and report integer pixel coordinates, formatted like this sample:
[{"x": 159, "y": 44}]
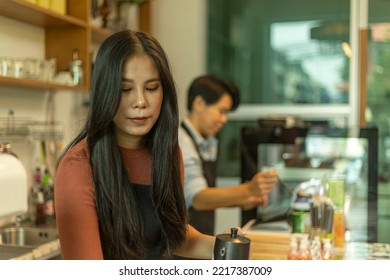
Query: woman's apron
[{"x": 203, "y": 220}]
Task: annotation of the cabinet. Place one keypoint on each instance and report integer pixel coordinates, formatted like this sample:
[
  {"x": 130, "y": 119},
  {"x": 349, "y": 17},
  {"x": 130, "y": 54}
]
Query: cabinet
[{"x": 63, "y": 34}]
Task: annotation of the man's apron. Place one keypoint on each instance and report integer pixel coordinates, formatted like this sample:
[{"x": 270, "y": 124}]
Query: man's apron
[{"x": 203, "y": 221}]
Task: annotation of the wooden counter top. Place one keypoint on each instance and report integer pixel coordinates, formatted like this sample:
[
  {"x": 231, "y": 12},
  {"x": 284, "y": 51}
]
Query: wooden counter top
[
  {"x": 270, "y": 245},
  {"x": 267, "y": 245}
]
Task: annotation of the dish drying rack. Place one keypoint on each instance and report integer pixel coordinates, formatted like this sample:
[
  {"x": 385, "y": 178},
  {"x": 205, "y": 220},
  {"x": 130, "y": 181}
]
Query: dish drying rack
[{"x": 19, "y": 128}]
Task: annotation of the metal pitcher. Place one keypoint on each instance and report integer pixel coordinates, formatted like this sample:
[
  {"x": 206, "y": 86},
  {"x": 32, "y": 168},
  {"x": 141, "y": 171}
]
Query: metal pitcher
[{"x": 231, "y": 246}]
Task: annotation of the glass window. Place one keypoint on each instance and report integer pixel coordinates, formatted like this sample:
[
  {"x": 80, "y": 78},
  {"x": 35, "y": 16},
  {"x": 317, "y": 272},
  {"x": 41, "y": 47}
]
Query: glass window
[
  {"x": 290, "y": 56},
  {"x": 286, "y": 54},
  {"x": 309, "y": 62},
  {"x": 378, "y": 100},
  {"x": 297, "y": 54},
  {"x": 378, "y": 78}
]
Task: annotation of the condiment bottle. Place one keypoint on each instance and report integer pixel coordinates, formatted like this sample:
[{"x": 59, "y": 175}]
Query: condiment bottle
[
  {"x": 339, "y": 228},
  {"x": 48, "y": 193},
  {"x": 293, "y": 253},
  {"x": 304, "y": 250},
  {"x": 76, "y": 69},
  {"x": 40, "y": 218},
  {"x": 315, "y": 248},
  {"x": 327, "y": 251}
]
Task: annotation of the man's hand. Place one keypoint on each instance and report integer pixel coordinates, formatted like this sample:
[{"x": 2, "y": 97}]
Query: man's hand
[
  {"x": 262, "y": 183},
  {"x": 254, "y": 201},
  {"x": 239, "y": 232}
]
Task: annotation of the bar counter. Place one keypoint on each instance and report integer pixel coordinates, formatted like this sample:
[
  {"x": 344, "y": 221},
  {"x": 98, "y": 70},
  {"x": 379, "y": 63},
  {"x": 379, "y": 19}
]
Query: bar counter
[{"x": 271, "y": 245}]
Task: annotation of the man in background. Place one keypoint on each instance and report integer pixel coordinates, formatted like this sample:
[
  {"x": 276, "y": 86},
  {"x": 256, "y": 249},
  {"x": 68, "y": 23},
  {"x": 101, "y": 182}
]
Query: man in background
[{"x": 209, "y": 101}]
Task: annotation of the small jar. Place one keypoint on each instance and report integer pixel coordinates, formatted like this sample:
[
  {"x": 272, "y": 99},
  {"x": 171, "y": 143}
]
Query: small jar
[
  {"x": 18, "y": 67},
  {"x": 32, "y": 68},
  {"x": 6, "y": 67},
  {"x": 49, "y": 70}
]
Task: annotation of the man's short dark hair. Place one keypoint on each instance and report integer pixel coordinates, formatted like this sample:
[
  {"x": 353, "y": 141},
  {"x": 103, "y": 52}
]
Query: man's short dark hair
[{"x": 211, "y": 88}]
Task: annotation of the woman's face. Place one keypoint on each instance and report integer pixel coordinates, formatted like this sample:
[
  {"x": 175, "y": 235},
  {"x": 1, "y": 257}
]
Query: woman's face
[{"x": 141, "y": 100}]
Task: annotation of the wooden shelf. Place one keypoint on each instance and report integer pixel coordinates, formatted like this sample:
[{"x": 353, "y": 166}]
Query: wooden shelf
[
  {"x": 33, "y": 14},
  {"x": 63, "y": 35},
  {"x": 37, "y": 84}
]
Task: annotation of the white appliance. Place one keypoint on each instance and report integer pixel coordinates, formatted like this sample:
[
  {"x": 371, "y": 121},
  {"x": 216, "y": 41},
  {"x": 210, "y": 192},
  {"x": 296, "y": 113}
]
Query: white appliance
[{"x": 13, "y": 186}]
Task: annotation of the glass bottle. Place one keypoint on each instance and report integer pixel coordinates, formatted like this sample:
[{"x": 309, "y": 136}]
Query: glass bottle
[
  {"x": 304, "y": 249},
  {"x": 33, "y": 194},
  {"x": 315, "y": 248},
  {"x": 48, "y": 193},
  {"x": 293, "y": 253},
  {"x": 76, "y": 69},
  {"x": 327, "y": 251},
  {"x": 40, "y": 208}
]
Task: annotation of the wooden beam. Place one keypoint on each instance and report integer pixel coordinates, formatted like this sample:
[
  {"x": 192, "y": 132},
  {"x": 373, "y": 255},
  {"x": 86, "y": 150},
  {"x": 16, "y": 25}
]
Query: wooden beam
[{"x": 145, "y": 17}]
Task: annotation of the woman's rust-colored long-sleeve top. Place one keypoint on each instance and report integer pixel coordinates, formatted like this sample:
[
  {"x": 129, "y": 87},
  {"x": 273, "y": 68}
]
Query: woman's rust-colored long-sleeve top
[{"x": 77, "y": 219}]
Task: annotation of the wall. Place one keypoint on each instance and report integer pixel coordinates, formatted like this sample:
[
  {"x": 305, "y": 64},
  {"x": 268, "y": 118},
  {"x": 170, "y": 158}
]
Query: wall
[
  {"x": 181, "y": 34},
  {"x": 180, "y": 26},
  {"x": 24, "y": 40},
  {"x": 27, "y": 43}
]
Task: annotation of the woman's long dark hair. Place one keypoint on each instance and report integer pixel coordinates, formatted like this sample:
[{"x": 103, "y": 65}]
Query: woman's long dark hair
[{"x": 121, "y": 228}]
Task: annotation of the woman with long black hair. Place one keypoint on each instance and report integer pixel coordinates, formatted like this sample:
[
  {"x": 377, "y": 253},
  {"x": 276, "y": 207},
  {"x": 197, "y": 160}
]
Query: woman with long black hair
[{"x": 119, "y": 183}]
